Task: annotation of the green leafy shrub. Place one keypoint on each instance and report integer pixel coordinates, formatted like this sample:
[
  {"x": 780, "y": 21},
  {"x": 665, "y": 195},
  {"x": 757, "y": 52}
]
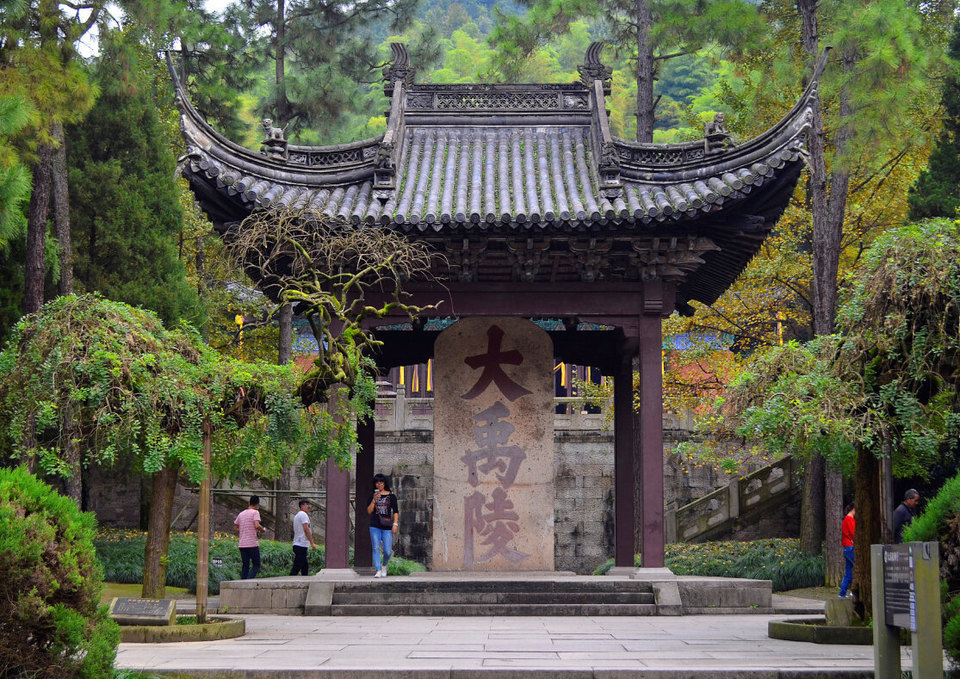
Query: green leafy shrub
[
  {"x": 51, "y": 620},
  {"x": 940, "y": 509},
  {"x": 779, "y": 561},
  {"x": 121, "y": 553},
  {"x": 940, "y": 522}
]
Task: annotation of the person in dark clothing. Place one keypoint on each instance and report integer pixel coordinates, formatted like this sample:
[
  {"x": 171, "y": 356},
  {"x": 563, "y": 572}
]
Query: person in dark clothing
[
  {"x": 904, "y": 514},
  {"x": 384, "y": 523}
]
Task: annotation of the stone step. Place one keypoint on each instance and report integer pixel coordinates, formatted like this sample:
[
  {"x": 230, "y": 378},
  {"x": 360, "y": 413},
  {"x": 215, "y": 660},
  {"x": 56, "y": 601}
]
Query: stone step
[
  {"x": 541, "y": 609},
  {"x": 458, "y": 598},
  {"x": 406, "y": 585}
]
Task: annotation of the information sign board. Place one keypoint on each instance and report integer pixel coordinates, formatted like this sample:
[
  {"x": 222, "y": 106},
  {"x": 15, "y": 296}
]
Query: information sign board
[
  {"x": 128, "y": 611},
  {"x": 899, "y": 587}
]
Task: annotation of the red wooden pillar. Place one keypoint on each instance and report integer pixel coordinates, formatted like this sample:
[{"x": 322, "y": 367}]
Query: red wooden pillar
[
  {"x": 651, "y": 441},
  {"x": 624, "y": 458},
  {"x": 363, "y": 484},
  {"x": 337, "y": 517}
]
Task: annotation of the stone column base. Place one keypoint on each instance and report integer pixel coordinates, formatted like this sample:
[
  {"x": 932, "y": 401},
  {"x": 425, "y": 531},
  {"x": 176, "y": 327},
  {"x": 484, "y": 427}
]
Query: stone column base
[{"x": 336, "y": 574}]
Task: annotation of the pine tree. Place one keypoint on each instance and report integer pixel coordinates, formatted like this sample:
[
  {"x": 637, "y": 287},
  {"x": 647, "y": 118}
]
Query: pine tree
[
  {"x": 936, "y": 192},
  {"x": 38, "y": 56},
  {"x": 124, "y": 200},
  {"x": 650, "y": 31},
  {"x": 14, "y": 177},
  {"x": 320, "y": 52}
]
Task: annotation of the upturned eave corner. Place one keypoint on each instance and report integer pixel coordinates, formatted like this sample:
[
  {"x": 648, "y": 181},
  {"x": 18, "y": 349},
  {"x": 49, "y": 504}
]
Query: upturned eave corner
[
  {"x": 597, "y": 79},
  {"x": 396, "y": 79}
]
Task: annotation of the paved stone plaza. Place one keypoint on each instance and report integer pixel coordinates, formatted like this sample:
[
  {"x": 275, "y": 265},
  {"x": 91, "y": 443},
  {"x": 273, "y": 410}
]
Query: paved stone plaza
[{"x": 464, "y": 647}]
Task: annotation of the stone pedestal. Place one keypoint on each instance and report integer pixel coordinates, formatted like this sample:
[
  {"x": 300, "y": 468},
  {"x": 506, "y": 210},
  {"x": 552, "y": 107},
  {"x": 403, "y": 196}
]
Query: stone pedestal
[{"x": 493, "y": 447}]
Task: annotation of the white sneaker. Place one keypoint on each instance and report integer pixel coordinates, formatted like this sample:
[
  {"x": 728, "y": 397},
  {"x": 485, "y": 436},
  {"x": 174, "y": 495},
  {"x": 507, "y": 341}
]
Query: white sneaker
[
  {"x": 379, "y": 574},
  {"x": 383, "y": 572}
]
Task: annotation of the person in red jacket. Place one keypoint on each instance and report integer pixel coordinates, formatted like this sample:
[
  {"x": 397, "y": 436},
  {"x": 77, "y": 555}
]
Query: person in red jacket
[{"x": 846, "y": 539}]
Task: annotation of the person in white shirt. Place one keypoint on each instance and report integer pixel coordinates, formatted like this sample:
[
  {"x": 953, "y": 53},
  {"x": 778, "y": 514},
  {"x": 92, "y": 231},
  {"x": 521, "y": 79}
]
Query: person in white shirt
[{"x": 302, "y": 538}]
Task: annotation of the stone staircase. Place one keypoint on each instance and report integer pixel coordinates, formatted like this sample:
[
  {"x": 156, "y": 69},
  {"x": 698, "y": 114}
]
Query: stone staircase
[
  {"x": 560, "y": 593},
  {"x": 750, "y": 498},
  {"x": 400, "y": 596}
]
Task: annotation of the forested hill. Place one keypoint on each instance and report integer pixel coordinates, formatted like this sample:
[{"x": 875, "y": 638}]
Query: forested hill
[{"x": 339, "y": 98}]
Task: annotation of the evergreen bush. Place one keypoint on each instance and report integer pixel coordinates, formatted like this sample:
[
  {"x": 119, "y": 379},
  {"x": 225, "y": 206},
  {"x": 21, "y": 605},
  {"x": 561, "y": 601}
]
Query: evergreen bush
[
  {"x": 51, "y": 622},
  {"x": 777, "y": 560},
  {"x": 121, "y": 553}
]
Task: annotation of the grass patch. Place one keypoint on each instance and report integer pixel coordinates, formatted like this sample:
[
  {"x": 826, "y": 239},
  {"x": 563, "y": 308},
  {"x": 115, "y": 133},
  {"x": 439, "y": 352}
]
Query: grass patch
[
  {"x": 121, "y": 553},
  {"x": 779, "y": 561},
  {"x": 817, "y": 593},
  {"x": 132, "y": 590}
]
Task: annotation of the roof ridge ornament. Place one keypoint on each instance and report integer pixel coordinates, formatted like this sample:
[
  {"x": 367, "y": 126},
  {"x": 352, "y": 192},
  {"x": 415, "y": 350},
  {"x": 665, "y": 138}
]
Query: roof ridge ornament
[
  {"x": 399, "y": 69},
  {"x": 593, "y": 69},
  {"x": 397, "y": 77},
  {"x": 596, "y": 78}
]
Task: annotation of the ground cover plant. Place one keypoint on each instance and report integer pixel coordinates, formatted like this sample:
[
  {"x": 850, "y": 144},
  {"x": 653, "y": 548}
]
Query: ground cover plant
[
  {"x": 778, "y": 560},
  {"x": 121, "y": 553},
  {"x": 51, "y": 621}
]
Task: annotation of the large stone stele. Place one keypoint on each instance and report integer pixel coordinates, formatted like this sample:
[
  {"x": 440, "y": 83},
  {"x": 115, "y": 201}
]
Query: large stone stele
[{"x": 493, "y": 447}]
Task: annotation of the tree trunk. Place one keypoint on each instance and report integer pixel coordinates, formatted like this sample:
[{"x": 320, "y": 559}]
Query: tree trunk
[
  {"x": 61, "y": 209},
  {"x": 833, "y": 549},
  {"x": 645, "y": 102},
  {"x": 158, "y": 533},
  {"x": 886, "y": 489},
  {"x": 71, "y": 455},
  {"x": 283, "y": 108},
  {"x": 813, "y": 511},
  {"x": 146, "y": 490},
  {"x": 811, "y": 506},
  {"x": 868, "y": 528},
  {"x": 284, "y": 521},
  {"x": 36, "y": 269},
  {"x": 285, "y": 346},
  {"x": 203, "y": 525}
]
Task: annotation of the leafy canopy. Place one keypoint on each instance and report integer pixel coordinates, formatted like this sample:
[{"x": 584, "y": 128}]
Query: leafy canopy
[
  {"x": 111, "y": 378},
  {"x": 891, "y": 374}
]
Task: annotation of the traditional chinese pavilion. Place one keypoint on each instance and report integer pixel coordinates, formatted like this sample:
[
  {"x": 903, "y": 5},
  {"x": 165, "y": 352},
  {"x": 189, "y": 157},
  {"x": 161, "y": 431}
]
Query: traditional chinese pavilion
[{"x": 541, "y": 214}]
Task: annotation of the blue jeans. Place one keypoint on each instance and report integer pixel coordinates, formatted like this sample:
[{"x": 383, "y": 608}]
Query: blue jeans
[
  {"x": 382, "y": 543},
  {"x": 848, "y": 574},
  {"x": 249, "y": 562}
]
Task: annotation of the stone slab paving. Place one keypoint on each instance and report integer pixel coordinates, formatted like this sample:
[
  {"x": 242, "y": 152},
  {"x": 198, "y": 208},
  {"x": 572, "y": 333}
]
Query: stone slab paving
[{"x": 285, "y": 647}]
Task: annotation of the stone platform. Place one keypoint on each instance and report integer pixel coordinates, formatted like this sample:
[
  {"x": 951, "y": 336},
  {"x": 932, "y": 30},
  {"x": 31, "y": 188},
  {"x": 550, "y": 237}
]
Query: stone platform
[
  {"x": 483, "y": 647},
  {"x": 635, "y": 592}
]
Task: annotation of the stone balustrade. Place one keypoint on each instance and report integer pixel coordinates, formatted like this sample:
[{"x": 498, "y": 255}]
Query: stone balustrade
[
  {"x": 716, "y": 511},
  {"x": 402, "y": 413}
]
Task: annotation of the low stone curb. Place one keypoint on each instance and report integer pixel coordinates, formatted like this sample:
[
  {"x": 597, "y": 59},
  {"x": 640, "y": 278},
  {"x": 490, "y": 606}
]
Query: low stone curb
[
  {"x": 816, "y": 630},
  {"x": 221, "y": 628},
  {"x": 521, "y": 673}
]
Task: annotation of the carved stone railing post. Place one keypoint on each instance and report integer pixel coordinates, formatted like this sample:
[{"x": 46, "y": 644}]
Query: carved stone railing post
[{"x": 400, "y": 409}]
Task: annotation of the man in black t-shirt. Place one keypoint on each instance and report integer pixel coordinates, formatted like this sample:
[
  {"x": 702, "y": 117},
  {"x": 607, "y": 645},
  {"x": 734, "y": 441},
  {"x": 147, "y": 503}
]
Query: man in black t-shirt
[{"x": 903, "y": 515}]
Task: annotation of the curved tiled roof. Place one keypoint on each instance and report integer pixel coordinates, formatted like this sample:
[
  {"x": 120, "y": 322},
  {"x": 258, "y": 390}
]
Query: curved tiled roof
[{"x": 517, "y": 160}]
